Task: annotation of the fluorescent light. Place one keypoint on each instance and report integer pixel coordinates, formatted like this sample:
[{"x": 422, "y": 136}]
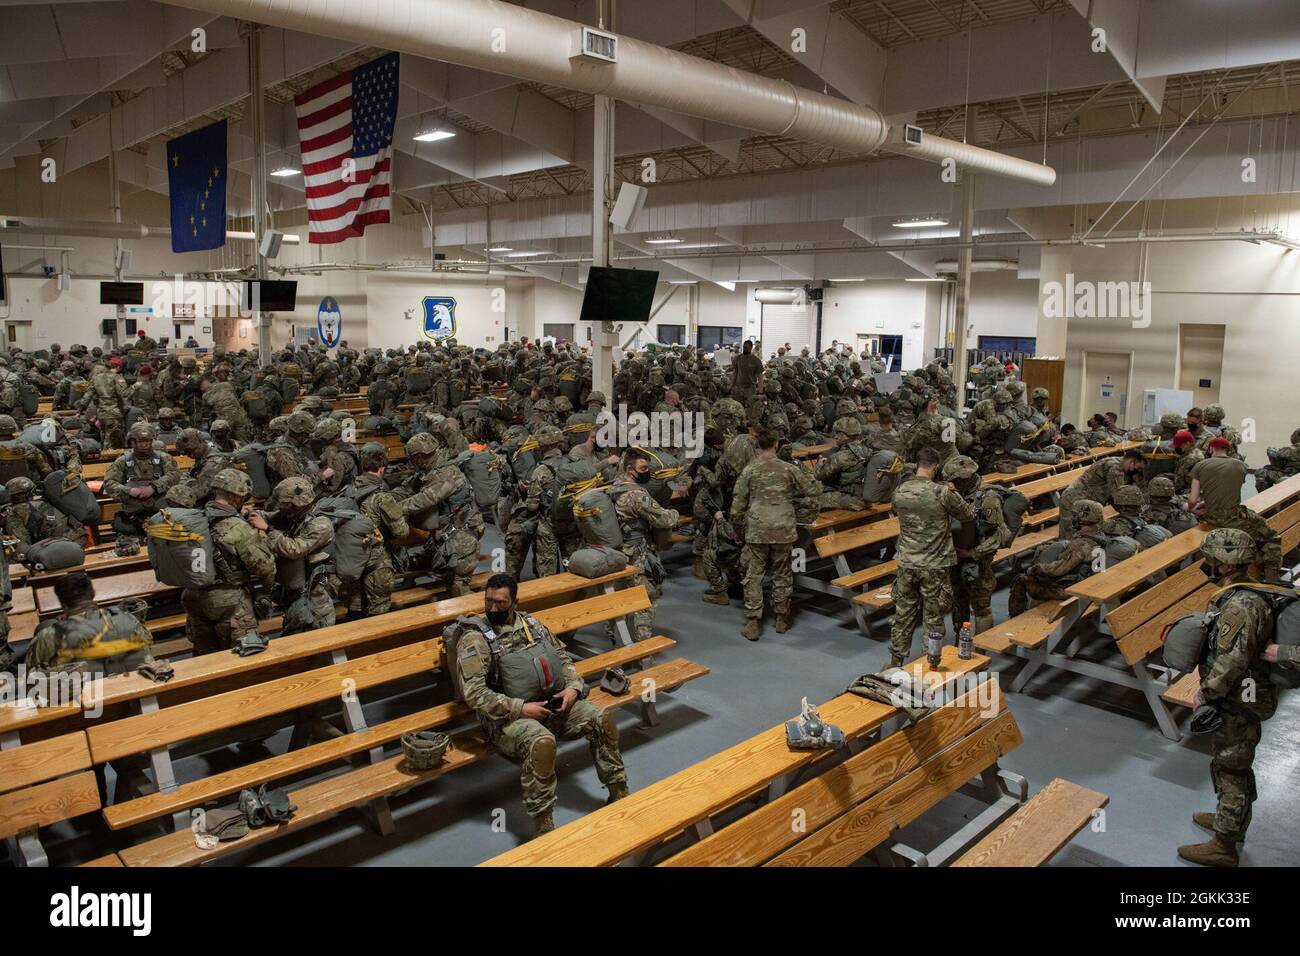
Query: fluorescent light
[
  {"x": 523, "y": 255},
  {"x": 919, "y": 223},
  {"x": 501, "y": 249},
  {"x": 287, "y": 171},
  {"x": 926, "y": 279},
  {"x": 433, "y": 135},
  {"x": 849, "y": 280},
  {"x": 683, "y": 281},
  {"x": 729, "y": 286},
  {"x": 662, "y": 241}
]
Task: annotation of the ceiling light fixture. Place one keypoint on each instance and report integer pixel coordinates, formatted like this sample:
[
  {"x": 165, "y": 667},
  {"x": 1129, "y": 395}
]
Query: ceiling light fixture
[
  {"x": 662, "y": 241},
  {"x": 926, "y": 279},
  {"x": 287, "y": 171},
  {"x": 501, "y": 249},
  {"x": 433, "y": 135},
  {"x": 522, "y": 255},
  {"x": 920, "y": 223}
]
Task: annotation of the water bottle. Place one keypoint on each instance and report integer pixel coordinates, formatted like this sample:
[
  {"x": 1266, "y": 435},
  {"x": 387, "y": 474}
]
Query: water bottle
[
  {"x": 966, "y": 641},
  {"x": 934, "y": 648}
]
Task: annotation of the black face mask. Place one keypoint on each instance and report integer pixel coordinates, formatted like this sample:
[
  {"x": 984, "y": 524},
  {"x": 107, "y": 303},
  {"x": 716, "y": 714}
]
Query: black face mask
[
  {"x": 642, "y": 477},
  {"x": 1210, "y": 570},
  {"x": 497, "y": 618}
]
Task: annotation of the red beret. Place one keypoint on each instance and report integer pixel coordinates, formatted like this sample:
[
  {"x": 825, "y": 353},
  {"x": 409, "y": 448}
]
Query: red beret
[
  {"x": 1184, "y": 437},
  {"x": 144, "y": 370},
  {"x": 115, "y": 361},
  {"x": 1220, "y": 442}
]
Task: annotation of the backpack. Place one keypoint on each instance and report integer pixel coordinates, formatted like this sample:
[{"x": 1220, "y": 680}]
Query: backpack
[
  {"x": 54, "y": 554},
  {"x": 489, "y": 408},
  {"x": 354, "y": 536},
  {"x": 884, "y": 470},
  {"x": 29, "y": 398},
  {"x": 251, "y": 459},
  {"x": 1160, "y": 458},
  {"x": 1187, "y": 640},
  {"x": 664, "y": 469},
  {"x": 593, "y": 511},
  {"x": 572, "y": 477},
  {"x": 377, "y": 395},
  {"x": 111, "y": 641},
  {"x": 531, "y": 673},
  {"x": 1036, "y": 457},
  {"x": 256, "y": 405},
  {"x": 482, "y": 469},
  {"x": 1120, "y": 548},
  {"x": 596, "y": 561},
  {"x": 13, "y": 460},
  {"x": 524, "y": 458},
  {"x": 180, "y": 548},
  {"x": 1014, "y": 506},
  {"x": 71, "y": 495},
  {"x": 418, "y": 379}
]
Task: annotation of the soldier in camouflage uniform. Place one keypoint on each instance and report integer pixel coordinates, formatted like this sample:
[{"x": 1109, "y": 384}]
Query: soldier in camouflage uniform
[
  {"x": 771, "y": 498},
  {"x": 526, "y": 730},
  {"x": 973, "y": 580},
  {"x": 382, "y": 507},
  {"x": 1164, "y": 507},
  {"x": 338, "y": 463},
  {"x": 1098, "y": 483},
  {"x": 290, "y": 457},
  {"x": 1283, "y": 463},
  {"x": 86, "y": 638},
  {"x": 842, "y": 471},
  {"x": 932, "y": 430},
  {"x": 925, "y": 553},
  {"x": 1188, "y": 455},
  {"x": 145, "y": 394},
  {"x": 1235, "y": 681},
  {"x": 301, "y": 545},
  {"x": 1048, "y": 581},
  {"x": 639, "y": 517},
  {"x": 208, "y": 462},
  {"x": 138, "y": 479},
  {"x": 167, "y": 429},
  {"x": 220, "y": 614},
  {"x": 108, "y": 392},
  {"x": 19, "y": 458},
  {"x": 442, "y": 499},
  {"x": 884, "y": 437},
  {"x": 222, "y": 439},
  {"x": 530, "y": 519}
]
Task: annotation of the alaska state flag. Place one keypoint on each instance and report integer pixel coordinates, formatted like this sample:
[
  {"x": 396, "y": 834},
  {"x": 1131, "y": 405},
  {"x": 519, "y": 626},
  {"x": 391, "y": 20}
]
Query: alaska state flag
[{"x": 196, "y": 178}]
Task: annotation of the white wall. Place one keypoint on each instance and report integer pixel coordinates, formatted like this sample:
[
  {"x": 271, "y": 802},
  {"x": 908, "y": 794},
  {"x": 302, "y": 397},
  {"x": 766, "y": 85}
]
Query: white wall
[
  {"x": 879, "y": 308},
  {"x": 1002, "y": 304}
]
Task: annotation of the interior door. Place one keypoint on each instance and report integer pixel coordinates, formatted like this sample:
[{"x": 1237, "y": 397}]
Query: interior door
[
  {"x": 1105, "y": 384},
  {"x": 1200, "y": 361}
]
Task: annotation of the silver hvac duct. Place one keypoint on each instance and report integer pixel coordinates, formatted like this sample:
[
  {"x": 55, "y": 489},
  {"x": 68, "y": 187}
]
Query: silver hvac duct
[
  {"x": 513, "y": 40},
  {"x": 98, "y": 229}
]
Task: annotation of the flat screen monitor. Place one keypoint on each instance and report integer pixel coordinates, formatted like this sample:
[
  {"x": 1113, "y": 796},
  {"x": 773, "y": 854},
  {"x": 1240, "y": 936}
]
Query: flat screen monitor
[
  {"x": 266, "y": 296},
  {"x": 619, "y": 295},
  {"x": 121, "y": 293}
]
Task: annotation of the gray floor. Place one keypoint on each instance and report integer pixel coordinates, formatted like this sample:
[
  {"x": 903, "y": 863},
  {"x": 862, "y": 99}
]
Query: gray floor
[{"x": 1095, "y": 735}]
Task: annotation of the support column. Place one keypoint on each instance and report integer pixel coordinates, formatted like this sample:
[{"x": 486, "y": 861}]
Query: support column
[
  {"x": 115, "y": 199},
  {"x": 964, "y": 257},
  {"x": 258, "y": 117},
  {"x": 603, "y": 337}
]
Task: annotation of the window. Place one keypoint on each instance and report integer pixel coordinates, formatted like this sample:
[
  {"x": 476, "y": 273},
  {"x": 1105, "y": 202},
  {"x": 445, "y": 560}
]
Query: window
[
  {"x": 560, "y": 331},
  {"x": 711, "y": 336},
  {"x": 1007, "y": 343},
  {"x": 672, "y": 335}
]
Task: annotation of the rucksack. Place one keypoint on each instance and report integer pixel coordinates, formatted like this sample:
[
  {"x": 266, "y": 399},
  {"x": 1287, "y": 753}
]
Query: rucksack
[
  {"x": 354, "y": 536},
  {"x": 1160, "y": 458},
  {"x": 71, "y": 495},
  {"x": 418, "y": 379},
  {"x": 180, "y": 548},
  {"x": 573, "y": 476},
  {"x": 256, "y": 405},
  {"x": 1187, "y": 640},
  {"x": 664, "y": 468},
  {"x": 13, "y": 460},
  {"x": 883, "y": 472},
  {"x": 28, "y": 397},
  {"x": 1120, "y": 548},
  {"x": 54, "y": 554},
  {"x": 593, "y": 511},
  {"x": 1014, "y": 506},
  {"x": 532, "y": 673},
  {"x": 482, "y": 469},
  {"x": 595, "y": 561},
  {"x": 251, "y": 459},
  {"x": 489, "y": 408}
]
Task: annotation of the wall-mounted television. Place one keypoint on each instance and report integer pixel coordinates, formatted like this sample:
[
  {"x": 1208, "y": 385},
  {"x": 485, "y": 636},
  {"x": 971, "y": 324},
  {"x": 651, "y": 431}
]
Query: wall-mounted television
[
  {"x": 121, "y": 293},
  {"x": 269, "y": 296},
  {"x": 619, "y": 295}
]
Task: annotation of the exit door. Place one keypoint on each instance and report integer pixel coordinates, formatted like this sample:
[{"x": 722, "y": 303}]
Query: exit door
[
  {"x": 1200, "y": 361},
  {"x": 1106, "y": 384}
]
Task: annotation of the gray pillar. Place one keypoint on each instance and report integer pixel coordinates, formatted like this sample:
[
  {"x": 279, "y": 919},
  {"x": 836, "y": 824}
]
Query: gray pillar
[
  {"x": 963, "y": 269},
  {"x": 602, "y": 234},
  {"x": 258, "y": 118}
]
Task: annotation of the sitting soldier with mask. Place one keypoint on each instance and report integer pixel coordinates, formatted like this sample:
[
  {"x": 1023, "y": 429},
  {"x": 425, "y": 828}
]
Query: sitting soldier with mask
[
  {"x": 1046, "y": 580},
  {"x": 498, "y": 659},
  {"x": 843, "y": 469},
  {"x": 301, "y": 543}
]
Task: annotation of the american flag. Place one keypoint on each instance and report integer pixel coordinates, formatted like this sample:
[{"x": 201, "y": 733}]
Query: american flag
[{"x": 349, "y": 118}]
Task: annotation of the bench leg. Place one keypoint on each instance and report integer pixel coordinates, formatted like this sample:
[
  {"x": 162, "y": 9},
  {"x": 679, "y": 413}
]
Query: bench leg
[
  {"x": 1151, "y": 689},
  {"x": 1036, "y": 659},
  {"x": 25, "y": 849},
  {"x": 649, "y": 713},
  {"x": 842, "y": 570},
  {"x": 354, "y": 719},
  {"x": 622, "y": 632},
  {"x": 160, "y": 767}
]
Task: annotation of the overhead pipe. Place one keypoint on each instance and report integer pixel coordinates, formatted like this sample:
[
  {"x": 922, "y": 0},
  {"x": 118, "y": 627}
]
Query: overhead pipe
[
  {"x": 98, "y": 229},
  {"x": 514, "y": 40}
]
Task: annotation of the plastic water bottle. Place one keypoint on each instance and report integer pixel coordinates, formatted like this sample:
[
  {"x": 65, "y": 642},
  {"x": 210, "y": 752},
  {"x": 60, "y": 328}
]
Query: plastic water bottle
[
  {"x": 966, "y": 641},
  {"x": 934, "y": 648}
]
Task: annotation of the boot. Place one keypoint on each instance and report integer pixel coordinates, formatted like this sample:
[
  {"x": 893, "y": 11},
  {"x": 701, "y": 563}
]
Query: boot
[
  {"x": 697, "y": 569},
  {"x": 1204, "y": 820},
  {"x": 543, "y": 822},
  {"x": 896, "y": 660},
  {"x": 1219, "y": 851},
  {"x": 753, "y": 627},
  {"x": 782, "y": 619},
  {"x": 709, "y": 597},
  {"x": 617, "y": 792}
]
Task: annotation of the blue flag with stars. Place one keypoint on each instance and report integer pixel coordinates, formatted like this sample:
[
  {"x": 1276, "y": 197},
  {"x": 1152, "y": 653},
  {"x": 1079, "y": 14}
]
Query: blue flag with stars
[{"x": 196, "y": 178}]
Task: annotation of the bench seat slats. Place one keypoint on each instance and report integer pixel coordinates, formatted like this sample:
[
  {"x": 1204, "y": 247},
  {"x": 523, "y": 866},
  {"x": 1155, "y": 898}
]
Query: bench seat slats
[
  {"x": 1182, "y": 693},
  {"x": 1040, "y": 829},
  {"x": 45, "y": 803},
  {"x": 43, "y": 760}
]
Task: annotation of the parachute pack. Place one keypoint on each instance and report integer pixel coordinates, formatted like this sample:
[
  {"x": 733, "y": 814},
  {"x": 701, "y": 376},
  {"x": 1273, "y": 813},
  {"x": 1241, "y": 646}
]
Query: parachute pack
[
  {"x": 70, "y": 494},
  {"x": 180, "y": 548},
  {"x": 354, "y": 536},
  {"x": 1187, "y": 640},
  {"x": 482, "y": 469},
  {"x": 883, "y": 472},
  {"x": 597, "y": 521}
]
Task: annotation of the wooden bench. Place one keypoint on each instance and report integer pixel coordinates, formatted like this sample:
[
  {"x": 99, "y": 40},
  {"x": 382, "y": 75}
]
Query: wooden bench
[
  {"x": 42, "y": 783},
  {"x": 378, "y": 778},
  {"x": 688, "y": 801},
  {"x": 1040, "y": 829}
]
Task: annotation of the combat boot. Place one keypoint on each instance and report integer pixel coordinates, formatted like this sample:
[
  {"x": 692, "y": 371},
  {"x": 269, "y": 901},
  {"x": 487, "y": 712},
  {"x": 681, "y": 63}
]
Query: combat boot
[
  {"x": 896, "y": 661},
  {"x": 782, "y": 618},
  {"x": 1220, "y": 851},
  {"x": 720, "y": 597},
  {"x": 617, "y": 792},
  {"x": 753, "y": 627},
  {"x": 1204, "y": 820},
  {"x": 543, "y": 822}
]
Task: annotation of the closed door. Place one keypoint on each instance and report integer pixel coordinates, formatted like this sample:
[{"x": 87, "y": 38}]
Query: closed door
[
  {"x": 1105, "y": 384},
  {"x": 793, "y": 324},
  {"x": 1200, "y": 361}
]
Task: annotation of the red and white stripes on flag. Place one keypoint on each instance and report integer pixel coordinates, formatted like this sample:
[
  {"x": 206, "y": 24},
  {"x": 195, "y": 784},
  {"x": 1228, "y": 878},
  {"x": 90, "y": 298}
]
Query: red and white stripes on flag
[{"x": 345, "y": 131}]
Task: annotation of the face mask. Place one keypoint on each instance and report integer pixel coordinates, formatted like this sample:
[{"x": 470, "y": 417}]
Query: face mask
[
  {"x": 1209, "y": 569},
  {"x": 642, "y": 477},
  {"x": 497, "y": 618}
]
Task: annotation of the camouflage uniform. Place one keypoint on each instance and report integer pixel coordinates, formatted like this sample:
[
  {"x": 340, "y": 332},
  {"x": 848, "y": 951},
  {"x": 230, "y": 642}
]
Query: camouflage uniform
[
  {"x": 925, "y": 553},
  {"x": 843, "y": 470},
  {"x": 530, "y": 521},
  {"x": 1283, "y": 463},
  {"x": 218, "y": 615},
  {"x": 1268, "y": 543},
  {"x": 301, "y": 545},
  {"x": 532, "y": 742},
  {"x": 222, "y": 401},
  {"x": 109, "y": 393},
  {"x": 1182, "y": 474},
  {"x": 934, "y": 431},
  {"x": 70, "y": 642},
  {"x": 1048, "y": 581},
  {"x": 444, "y": 488},
  {"x": 132, "y": 469},
  {"x": 1097, "y": 483},
  {"x": 639, "y": 516},
  {"x": 335, "y": 456},
  {"x": 973, "y": 580},
  {"x": 377, "y": 503}
]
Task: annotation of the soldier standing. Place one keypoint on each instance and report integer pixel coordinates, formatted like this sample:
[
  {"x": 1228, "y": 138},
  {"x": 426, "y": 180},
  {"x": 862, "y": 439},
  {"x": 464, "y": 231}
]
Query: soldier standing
[
  {"x": 290, "y": 457},
  {"x": 973, "y": 580},
  {"x": 108, "y": 392},
  {"x": 925, "y": 553},
  {"x": 338, "y": 463},
  {"x": 1235, "y": 681},
  {"x": 771, "y": 497},
  {"x": 445, "y": 503},
  {"x": 513, "y": 711},
  {"x": 222, "y": 614},
  {"x": 376, "y": 502},
  {"x": 746, "y": 370},
  {"x": 530, "y": 521},
  {"x": 639, "y": 517}
]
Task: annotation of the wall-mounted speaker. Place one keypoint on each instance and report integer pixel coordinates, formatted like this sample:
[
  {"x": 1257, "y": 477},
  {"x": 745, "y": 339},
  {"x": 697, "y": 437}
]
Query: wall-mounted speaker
[
  {"x": 631, "y": 199},
  {"x": 270, "y": 247},
  {"x": 65, "y": 281}
]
